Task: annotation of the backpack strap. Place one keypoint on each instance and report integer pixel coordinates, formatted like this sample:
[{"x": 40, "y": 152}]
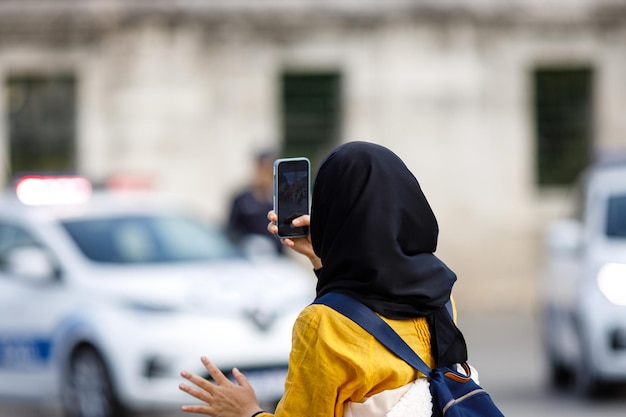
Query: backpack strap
[{"x": 377, "y": 327}]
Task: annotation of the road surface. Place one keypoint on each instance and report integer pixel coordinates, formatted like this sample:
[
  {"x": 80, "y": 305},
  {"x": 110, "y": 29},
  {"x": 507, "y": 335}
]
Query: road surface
[{"x": 506, "y": 350}]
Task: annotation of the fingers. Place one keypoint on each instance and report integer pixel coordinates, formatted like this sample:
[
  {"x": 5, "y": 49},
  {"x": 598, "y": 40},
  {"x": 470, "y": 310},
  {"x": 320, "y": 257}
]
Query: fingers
[
  {"x": 196, "y": 393},
  {"x": 287, "y": 242},
  {"x": 300, "y": 245},
  {"x": 197, "y": 409},
  {"x": 197, "y": 380},
  {"x": 222, "y": 397},
  {"x": 271, "y": 227},
  {"x": 240, "y": 378},
  {"x": 214, "y": 371},
  {"x": 304, "y": 220},
  {"x": 206, "y": 386},
  {"x": 206, "y": 389},
  {"x": 200, "y": 394}
]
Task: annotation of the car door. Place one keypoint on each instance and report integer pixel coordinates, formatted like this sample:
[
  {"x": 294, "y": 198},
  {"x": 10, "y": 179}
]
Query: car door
[{"x": 30, "y": 310}]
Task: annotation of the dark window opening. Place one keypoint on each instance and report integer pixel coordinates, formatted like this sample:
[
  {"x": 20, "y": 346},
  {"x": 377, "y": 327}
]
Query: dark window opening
[
  {"x": 311, "y": 110},
  {"x": 41, "y": 119},
  {"x": 563, "y": 104}
]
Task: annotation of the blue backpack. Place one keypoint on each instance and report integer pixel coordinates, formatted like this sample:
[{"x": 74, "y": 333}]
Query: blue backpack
[{"x": 454, "y": 394}]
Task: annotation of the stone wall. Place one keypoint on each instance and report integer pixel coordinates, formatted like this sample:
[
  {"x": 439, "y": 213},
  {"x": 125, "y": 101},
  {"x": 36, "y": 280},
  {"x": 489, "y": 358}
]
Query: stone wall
[{"x": 188, "y": 95}]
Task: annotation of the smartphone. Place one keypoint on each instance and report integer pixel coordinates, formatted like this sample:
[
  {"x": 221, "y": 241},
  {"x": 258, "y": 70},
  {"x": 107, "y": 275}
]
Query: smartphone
[{"x": 291, "y": 194}]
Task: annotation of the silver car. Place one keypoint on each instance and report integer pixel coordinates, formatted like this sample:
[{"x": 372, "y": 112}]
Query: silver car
[{"x": 584, "y": 285}]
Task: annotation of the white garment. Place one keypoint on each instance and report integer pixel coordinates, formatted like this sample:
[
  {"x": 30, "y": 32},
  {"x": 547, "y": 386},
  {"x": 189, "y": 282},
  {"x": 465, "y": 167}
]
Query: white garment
[{"x": 410, "y": 400}]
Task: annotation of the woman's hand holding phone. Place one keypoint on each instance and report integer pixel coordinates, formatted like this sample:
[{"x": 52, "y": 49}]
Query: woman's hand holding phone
[{"x": 301, "y": 245}]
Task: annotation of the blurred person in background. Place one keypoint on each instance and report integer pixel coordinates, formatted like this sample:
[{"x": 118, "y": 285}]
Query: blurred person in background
[{"x": 247, "y": 223}]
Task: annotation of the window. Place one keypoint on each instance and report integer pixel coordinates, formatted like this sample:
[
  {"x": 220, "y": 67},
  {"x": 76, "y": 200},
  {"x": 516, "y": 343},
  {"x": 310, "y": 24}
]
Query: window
[
  {"x": 616, "y": 217},
  {"x": 148, "y": 240},
  {"x": 311, "y": 109},
  {"x": 11, "y": 237},
  {"x": 563, "y": 123},
  {"x": 42, "y": 113}
]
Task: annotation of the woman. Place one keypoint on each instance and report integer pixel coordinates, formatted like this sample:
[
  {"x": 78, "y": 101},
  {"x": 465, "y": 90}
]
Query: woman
[{"x": 372, "y": 237}]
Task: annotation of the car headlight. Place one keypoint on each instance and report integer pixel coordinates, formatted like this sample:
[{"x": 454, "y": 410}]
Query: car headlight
[{"x": 612, "y": 282}]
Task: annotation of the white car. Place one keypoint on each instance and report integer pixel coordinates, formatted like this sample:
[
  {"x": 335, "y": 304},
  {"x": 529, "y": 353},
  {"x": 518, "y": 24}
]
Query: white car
[
  {"x": 584, "y": 285},
  {"x": 105, "y": 300}
]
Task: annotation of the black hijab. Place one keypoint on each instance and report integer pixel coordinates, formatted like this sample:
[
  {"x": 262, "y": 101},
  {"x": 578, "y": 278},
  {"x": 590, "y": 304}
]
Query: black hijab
[{"x": 375, "y": 233}]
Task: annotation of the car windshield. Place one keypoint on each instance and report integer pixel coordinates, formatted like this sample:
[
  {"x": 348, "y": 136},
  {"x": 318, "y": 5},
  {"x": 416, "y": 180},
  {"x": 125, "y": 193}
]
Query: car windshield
[
  {"x": 616, "y": 217},
  {"x": 148, "y": 239}
]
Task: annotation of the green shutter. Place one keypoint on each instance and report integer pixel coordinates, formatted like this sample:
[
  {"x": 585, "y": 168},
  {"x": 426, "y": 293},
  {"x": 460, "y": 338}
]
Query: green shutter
[
  {"x": 563, "y": 123},
  {"x": 42, "y": 126}
]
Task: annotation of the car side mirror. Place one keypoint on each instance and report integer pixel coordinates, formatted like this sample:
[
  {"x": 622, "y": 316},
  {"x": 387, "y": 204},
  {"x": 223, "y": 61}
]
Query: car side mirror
[
  {"x": 31, "y": 263},
  {"x": 565, "y": 237}
]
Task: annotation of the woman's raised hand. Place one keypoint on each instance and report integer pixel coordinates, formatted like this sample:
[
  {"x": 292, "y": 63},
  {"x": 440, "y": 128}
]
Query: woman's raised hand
[
  {"x": 221, "y": 398},
  {"x": 301, "y": 245}
]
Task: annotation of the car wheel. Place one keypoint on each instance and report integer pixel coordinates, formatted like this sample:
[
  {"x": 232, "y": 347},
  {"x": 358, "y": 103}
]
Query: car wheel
[
  {"x": 586, "y": 381},
  {"x": 87, "y": 387},
  {"x": 559, "y": 375}
]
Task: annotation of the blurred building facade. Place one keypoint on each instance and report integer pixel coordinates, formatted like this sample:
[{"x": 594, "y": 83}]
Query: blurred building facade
[{"x": 495, "y": 106}]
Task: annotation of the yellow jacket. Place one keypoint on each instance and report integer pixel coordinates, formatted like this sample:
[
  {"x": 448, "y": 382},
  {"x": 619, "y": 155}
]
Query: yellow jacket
[{"x": 333, "y": 361}]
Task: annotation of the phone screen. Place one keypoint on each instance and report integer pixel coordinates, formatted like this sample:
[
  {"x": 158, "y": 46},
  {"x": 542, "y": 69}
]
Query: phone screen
[{"x": 291, "y": 194}]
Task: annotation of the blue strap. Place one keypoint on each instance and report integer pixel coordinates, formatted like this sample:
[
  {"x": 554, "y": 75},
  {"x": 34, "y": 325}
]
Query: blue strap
[{"x": 377, "y": 327}]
